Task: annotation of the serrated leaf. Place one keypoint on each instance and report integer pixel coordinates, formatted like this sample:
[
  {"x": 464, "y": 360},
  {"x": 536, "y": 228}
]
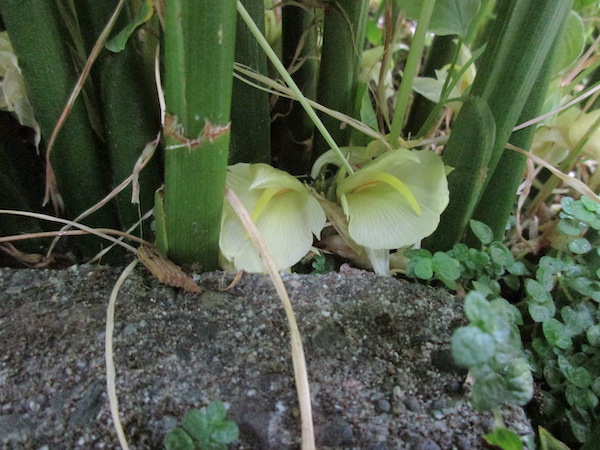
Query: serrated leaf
[
  {"x": 471, "y": 346},
  {"x": 445, "y": 266},
  {"x": 504, "y": 438},
  {"x": 557, "y": 334},
  {"x": 537, "y": 292},
  {"x": 482, "y": 231},
  {"x": 225, "y": 432},
  {"x": 460, "y": 252},
  {"x": 216, "y": 411},
  {"x": 541, "y": 312},
  {"x": 578, "y": 318},
  {"x": 196, "y": 425},
  {"x": 518, "y": 268},
  {"x": 519, "y": 381},
  {"x": 143, "y": 15},
  {"x": 178, "y": 439},
  {"x": 424, "y": 268},
  {"x": 580, "y": 398},
  {"x": 501, "y": 254},
  {"x": 477, "y": 309}
]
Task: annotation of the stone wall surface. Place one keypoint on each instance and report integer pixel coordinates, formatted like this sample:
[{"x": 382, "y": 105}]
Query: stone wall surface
[{"x": 377, "y": 349}]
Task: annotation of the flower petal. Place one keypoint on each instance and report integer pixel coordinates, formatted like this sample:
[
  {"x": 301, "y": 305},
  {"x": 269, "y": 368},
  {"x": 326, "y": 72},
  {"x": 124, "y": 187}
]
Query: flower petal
[{"x": 381, "y": 217}]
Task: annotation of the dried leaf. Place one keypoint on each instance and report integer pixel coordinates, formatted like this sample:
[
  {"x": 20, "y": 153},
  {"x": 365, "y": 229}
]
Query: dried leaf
[{"x": 165, "y": 270}]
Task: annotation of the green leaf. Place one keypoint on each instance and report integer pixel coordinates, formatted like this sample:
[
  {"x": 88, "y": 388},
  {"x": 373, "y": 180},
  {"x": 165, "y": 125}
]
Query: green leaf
[
  {"x": 216, "y": 411},
  {"x": 504, "y": 438},
  {"x": 143, "y": 15},
  {"x": 578, "y": 318},
  {"x": 537, "y": 292},
  {"x": 579, "y": 426},
  {"x": 460, "y": 252},
  {"x": 178, "y": 440},
  {"x": 593, "y": 335},
  {"x": 450, "y": 17},
  {"x": 482, "y": 231},
  {"x": 580, "y": 398},
  {"x": 580, "y": 246},
  {"x": 549, "y": 442},
  {"x": 571, "y": 44},
  {"x": 225, "y": 432},
  {"x": 570, "y": 227},
  {"x": 488, "y": 391},
  {"x": 519, "y": 381},
  {"x": 541, "y": 312},
  {"x": 197, "y": 426},
  {"x": 424, "y": 268},
  {"x": 471, "y": 346},
  {"x": 557, "y": 334},
  {"x": 501, "y": 254},
  {"x": 576, "y": 209},
  {"x": 445, "y": 266},
  {"x": 518, "y": 268},
  {"x": 478, "y": 309}
]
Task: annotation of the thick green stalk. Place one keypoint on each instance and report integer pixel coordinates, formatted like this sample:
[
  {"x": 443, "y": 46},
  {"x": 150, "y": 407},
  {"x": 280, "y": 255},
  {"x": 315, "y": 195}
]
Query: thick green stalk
[
  {"x": 199, "y": 45},
  {"x": 521, "y": 39},
  {"x": 293, "y": 132},
  {"x": 468, "y": 152},
  {"x": 441, "y": 53},
  {"x": 343, "y": 40},
  {"x": 410, "y": 70},
  {"x": 129, "y": 107},
  {"x": 250, "y": 120},
  {"x": 43, "y": 48},
  {"x": 281, "y": 70},
  {"x": 499, "y": 198}
]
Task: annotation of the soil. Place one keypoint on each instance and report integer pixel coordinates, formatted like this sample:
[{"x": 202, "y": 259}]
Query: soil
[{"x": 380, "y": 368}]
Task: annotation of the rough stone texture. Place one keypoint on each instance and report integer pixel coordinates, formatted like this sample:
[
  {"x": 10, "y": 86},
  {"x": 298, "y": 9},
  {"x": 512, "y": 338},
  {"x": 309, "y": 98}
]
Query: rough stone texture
[{"x": 377, "y": 349}]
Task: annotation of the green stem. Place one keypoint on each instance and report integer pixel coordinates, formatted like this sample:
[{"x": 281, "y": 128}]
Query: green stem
[
  {"x": 343, "y": 39},
  {"x": 410, "y": 70},
  {"x": 292, "y": 85},
  {"x": 199, "y": 48}
]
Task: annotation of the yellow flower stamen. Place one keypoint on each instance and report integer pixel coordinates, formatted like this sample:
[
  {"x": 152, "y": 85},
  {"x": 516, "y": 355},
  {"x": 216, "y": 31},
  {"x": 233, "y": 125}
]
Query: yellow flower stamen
[{"x": 400, "y": 187}]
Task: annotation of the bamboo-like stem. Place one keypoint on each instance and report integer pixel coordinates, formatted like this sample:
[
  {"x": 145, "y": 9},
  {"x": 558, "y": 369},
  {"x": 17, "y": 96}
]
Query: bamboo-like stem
[
  {"x": 410, "y": 70},
  {"x": 199, "y": 44},
  {"x": 343, "y": 41},
  {"x": 250, "y": 133},
  {"x": 292, "y": 85}
]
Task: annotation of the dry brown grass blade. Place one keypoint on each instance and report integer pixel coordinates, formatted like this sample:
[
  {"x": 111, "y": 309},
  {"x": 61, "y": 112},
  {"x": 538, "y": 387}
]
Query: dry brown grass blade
[
  {"x": 142, "y": 161},
  {"x": 576, "y": 184},
  {"x": 100, "y": 232},
  {"x": 166, "y": 271},
  {"x": 298, "y": 358},
  {"x": 51, "y": 185},
  {"x": 111, "y": 384}
]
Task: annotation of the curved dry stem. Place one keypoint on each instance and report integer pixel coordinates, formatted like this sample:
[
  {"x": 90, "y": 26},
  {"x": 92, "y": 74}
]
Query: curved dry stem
[
  {"x": 51, "y": 186},
  {"x": 111, "y": 386},
  {"x": 298, "y": 358},
  {"x": 100, "y": 232},
  {"x": 142, "y": 161},
  {"x": 576, "y": 184}
]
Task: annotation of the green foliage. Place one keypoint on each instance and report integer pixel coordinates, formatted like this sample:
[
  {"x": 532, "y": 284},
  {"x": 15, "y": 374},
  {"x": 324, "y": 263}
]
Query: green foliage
[
  {"x": 481, "y": 269},
  {"x": 490, "y": 346},
  {"x": 203, "y": 429},
  {"x": 504, "y": 438},
  {"x": 561, "y": 316},
  {"x": 564, "y": 300},
  {"x": 322, "y": 264}
]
